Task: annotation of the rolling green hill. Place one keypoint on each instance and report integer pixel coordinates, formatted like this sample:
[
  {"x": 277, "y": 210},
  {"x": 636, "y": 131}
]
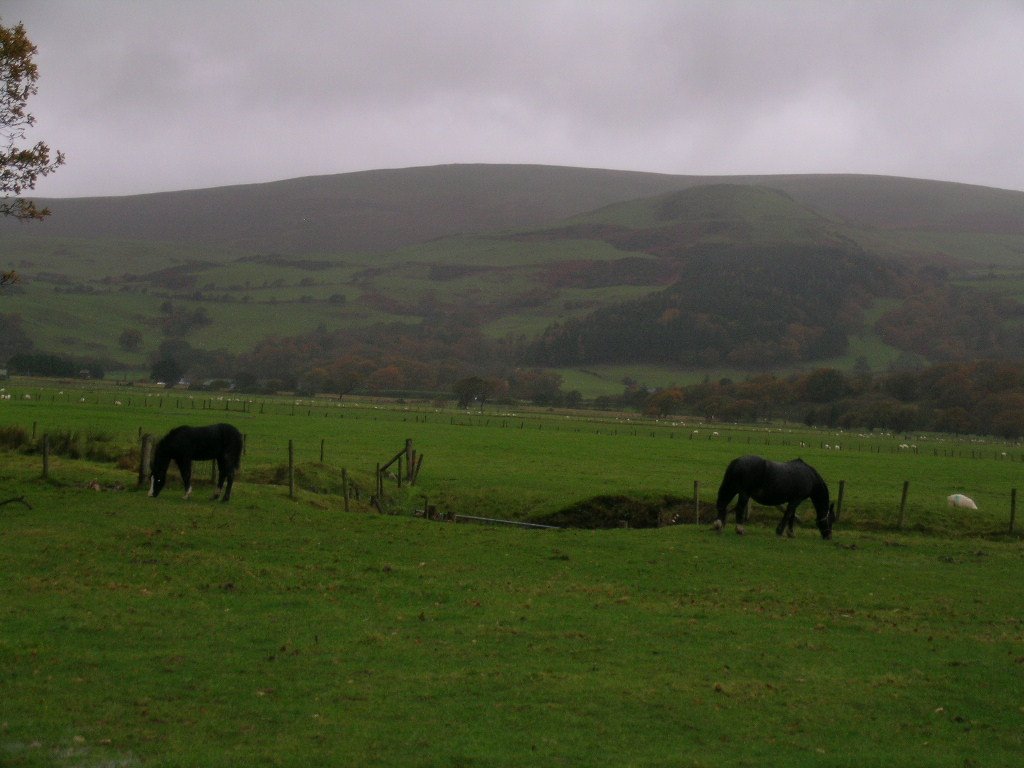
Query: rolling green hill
[
  {"x": 455, "y": 258},
  {"x": 371, "y": 211}
]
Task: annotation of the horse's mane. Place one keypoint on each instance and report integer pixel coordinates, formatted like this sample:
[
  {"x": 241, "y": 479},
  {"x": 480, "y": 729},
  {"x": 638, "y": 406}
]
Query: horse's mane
[{"x": 819, "y": 490}]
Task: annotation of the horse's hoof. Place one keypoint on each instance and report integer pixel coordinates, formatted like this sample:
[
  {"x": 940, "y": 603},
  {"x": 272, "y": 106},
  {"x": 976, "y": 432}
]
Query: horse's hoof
[
  {"x": 790, "y": 535},
  {"x": 739, "y": 530},
  {"x": 717, "y": 526}
]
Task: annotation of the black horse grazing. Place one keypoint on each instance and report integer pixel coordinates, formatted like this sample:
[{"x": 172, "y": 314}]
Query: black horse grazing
[
  {"x": 183, "y": 445},
  {"x": 773, "y": 484}
]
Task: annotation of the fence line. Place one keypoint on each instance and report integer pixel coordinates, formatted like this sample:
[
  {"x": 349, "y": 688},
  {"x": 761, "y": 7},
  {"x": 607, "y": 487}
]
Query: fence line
[
  {"x": 413, "y": 463},
  {"x": 495, "y": 521}
]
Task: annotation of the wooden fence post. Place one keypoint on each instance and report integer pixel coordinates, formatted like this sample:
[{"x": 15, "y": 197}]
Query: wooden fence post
[
  {"x": 146, "y": 458},
  {"x": 696, "y": 502},
  {"x": 344, "y": 487},
  {"x": 903, "y": 503},
  {"x": 291, "y": 469},
  {"x": 322, "y": 450},
  {"x": 839, "y": 499},
  {"x": 1013, "y": 508},
  {"x": 46, "y": 456}
]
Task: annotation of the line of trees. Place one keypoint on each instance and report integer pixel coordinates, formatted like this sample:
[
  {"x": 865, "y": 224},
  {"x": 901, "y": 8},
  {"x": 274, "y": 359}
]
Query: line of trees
[
  {"x": 57, "y": 366},
  {"x": 976, "y": 397}
]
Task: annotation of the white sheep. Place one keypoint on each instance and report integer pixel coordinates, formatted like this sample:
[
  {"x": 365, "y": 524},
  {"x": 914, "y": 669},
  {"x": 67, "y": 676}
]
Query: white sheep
[{"x": 959, "y": 500}]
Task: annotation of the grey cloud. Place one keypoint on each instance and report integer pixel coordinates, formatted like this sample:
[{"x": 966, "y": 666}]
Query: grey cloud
[{"x": 151, "y": 96}]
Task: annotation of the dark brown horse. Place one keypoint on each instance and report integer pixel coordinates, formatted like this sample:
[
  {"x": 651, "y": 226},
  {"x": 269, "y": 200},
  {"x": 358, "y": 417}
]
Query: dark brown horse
[
  {"x": 183, "y": 445},
  {"x": 774, "y": 484}
]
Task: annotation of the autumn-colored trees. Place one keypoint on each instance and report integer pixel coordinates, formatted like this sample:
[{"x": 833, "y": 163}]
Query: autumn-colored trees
[
  {"x": 20, "y": 166},
  {"x": 748, "y": 306},
  {"x": 980, "y": 397},
  {"x": 946, "y": 323}
]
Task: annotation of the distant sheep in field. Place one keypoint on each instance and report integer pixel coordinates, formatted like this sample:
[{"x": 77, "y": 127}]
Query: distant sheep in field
[{"x": 959, "y": 500}]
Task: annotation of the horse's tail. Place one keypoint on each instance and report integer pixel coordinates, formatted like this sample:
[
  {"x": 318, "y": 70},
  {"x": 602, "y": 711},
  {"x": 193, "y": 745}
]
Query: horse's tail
[
  {"x": 233, "y": 443},
  {"x": 236, "y": 452},
  {"x": 729, "y": 486}
]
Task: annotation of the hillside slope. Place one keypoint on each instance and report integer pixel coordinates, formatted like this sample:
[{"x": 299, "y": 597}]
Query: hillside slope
[
  {"x": 369, "y": 211},
  {"x": 483, "y": 266},
  {"x": 375, "y": 211}
]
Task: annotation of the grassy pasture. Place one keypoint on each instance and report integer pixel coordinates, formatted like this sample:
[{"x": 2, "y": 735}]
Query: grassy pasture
[
  {"x": 476, "y": 462},
  {"x": 1009, "y": 282},
  {"x": 984, "y": 250},
  {"x": 54, "y": 321},
  {"x": 89, "y": 259},
  {"x": 278, "y": 631},
  {"x": 300, "y": 295},
  {"x": 596, "y": 380},
  {"x": 567, "y": 303}
]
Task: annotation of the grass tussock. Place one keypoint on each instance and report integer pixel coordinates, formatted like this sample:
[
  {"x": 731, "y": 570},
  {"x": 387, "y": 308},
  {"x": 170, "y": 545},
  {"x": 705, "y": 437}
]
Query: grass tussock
[
  {"x": 89, "y": 445},
  {"x": 14, "y": 437},
  {"x": 98, "y": 446}
]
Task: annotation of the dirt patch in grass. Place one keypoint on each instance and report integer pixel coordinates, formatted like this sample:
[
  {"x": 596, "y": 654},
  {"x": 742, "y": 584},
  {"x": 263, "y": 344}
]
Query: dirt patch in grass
[{"x": 613, "y": 511}]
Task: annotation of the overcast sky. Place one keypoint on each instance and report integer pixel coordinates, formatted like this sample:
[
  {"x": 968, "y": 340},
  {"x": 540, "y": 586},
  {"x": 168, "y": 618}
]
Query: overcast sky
[{"x": 155, "y": 95}]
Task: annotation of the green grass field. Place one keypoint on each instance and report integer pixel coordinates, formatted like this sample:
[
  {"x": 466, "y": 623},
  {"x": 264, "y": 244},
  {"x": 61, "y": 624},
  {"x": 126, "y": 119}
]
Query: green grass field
[
  {"x": 284, "y": 631},
  {"x": 477, "y": 461}
]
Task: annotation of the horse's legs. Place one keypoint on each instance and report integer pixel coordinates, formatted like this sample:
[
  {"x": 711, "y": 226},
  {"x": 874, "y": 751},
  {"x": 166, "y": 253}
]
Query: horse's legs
[
  {"x": 726, "y": 492},
  {"x": 788, "y": 518},
  {"x": 782, "y": 522},
  {"x": 723, "y": 510},
  {"x": 221, "y": 474},
  {"x": 185, "y": 467},
  {"x": 741, "y": 512},
  {"x": 230, "y": 475}
]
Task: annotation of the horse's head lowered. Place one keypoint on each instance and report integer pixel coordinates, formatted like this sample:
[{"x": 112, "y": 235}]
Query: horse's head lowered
[
  {"x": 158, "y": 475},
  {"x": 826, "y": 521}
]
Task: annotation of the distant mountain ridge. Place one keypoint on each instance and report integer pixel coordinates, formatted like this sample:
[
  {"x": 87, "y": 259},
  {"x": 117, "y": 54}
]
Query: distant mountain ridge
[
  {"x": 375, "y": 211},
  {"x": 415, "y": 275}
]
